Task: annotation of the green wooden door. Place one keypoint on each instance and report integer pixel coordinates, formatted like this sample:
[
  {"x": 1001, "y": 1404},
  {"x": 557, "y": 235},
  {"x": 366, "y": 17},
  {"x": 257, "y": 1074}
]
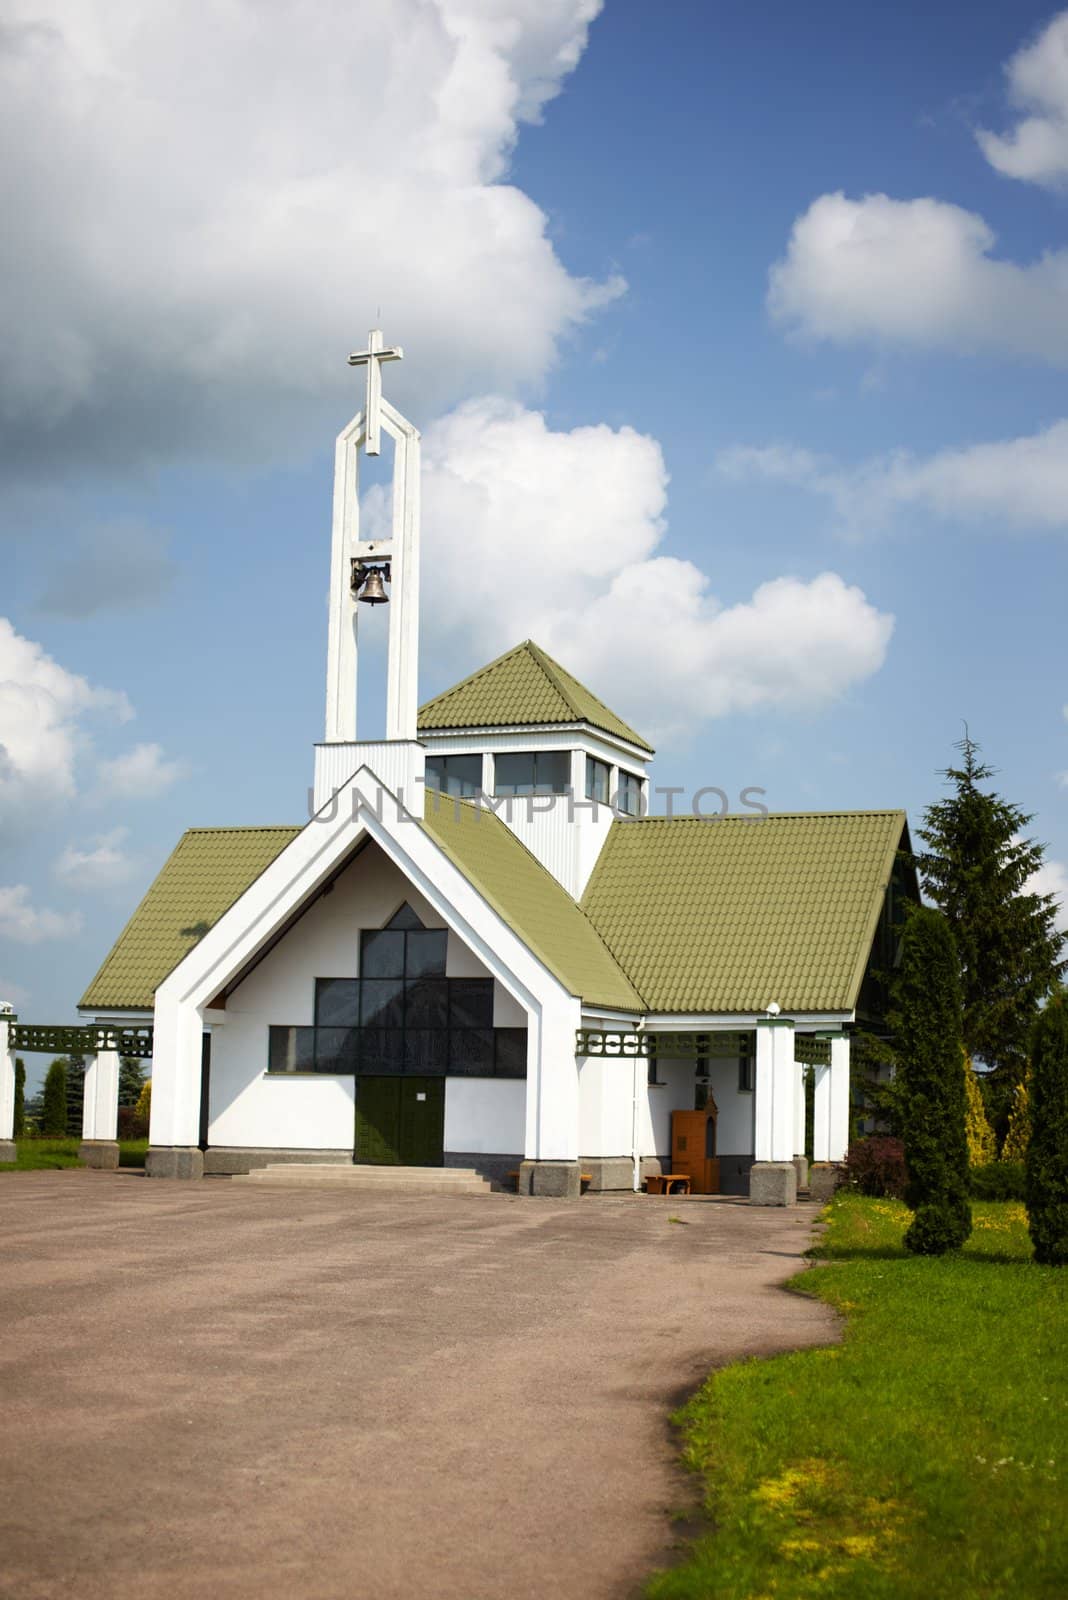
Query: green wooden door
[{"x": 400, "y": 1122}]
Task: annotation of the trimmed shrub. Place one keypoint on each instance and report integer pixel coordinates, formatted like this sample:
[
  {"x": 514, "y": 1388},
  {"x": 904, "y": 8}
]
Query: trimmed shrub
[
  {"x": 1019, "y": 1135},
  {"x": 876, "y": 1166},
  {"x": 1047, "y": 1152},
  {"x": 927, "y": 1024},
  {"x": 54, "y": 1103},
  {"x": 18, "y": 1127},
  {"x": 144, "y": 1104},
  {"x": 998, "y": 1180},
  {"x": 982, "y": 1146}
]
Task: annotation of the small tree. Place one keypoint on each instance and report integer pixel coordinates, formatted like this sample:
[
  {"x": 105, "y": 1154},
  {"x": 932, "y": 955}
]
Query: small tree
[
  {"x": 982, "y": 1146},
  {"x": 1019, "y": 1134},
  {"x": 131, "y": 1080},
  {"x": 54, "y": 1104},
  {"x": 1047, "y": 1152},
  {"x": 933, "y": 1103},
  {"x": 19, "y": 1123},
  {"x": 144, "y": 1100}
]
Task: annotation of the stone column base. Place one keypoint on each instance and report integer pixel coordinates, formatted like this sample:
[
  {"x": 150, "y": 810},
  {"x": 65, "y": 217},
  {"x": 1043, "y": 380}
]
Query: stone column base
[
  {"x": 801, "y": 1166},
  {"x": 608, "y": 1172},
  {"x": 8, "y": 1150},
  {"x": 174, "y": 1161},
  {"x": 823, "y": 1180},
  {"x": 103, "y": 1154},
  {"x": 556, "y": 1180},
  {"x": 773, "y": 1183}
]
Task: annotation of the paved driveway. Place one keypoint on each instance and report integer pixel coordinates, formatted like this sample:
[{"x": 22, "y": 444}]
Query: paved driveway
[{"x": 210, "y": 1389}]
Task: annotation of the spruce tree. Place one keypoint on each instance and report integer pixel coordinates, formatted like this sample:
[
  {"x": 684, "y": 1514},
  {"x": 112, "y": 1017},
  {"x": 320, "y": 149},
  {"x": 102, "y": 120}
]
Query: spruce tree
[
  {"x": 976, "y": 869},
  {"x": 932, "y": 1106},
  {"x": 131, "y": 1080},
  {"x": 54, "y": 1104},
  {"x": 19, "y": 1124},
  {"x": 1047, "y": 1152}
]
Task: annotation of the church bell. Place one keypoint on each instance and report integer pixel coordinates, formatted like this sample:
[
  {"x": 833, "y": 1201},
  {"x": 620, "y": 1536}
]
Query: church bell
[{"x": 367, "y": 584}]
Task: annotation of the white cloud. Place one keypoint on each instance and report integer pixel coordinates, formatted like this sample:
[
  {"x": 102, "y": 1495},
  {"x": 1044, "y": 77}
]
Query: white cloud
[
  {"x": 139, "y": 774},
  {"x": 1022, "y": 483},
  {"x": 13, "y": 994},
  {"x": 1037, "y": 148},
  {"x": 916, "y": 272},
  {"x": 103, "y": 865},
  {"x": 212, "y": 203},
  {"x": 1052, "y": 878},
  {"x": 42, "y": 707},
  {"x": 116, "y": 566},
  {"x": 22, "y": 923},
  {"x": 555, "y": 536}
]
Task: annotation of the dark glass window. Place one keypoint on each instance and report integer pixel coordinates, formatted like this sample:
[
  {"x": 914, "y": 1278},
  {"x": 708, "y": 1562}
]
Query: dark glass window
[
  {"x": 461, "y": 775},
  {"x": 405, "y": 917},
  {"x": 382, "y": 1002},
  {"x": 337, "y": 1002},
  {"x": 532, "y": 772},
  {"x": 598, "y": 777},
  {"x": 745, "y": 1074},
  {"x": 291, "y": 1049},
  {"x": 426, "y": 1003},
  {"x": 629, "y": 794},
  {"x": 471, "y": 1052},
  {"x": 471, "y": 1003},
  {"x": 425, "y": 952},
  {"x": 510, "y": 1052},
  {"x": 382, "y": 954}
]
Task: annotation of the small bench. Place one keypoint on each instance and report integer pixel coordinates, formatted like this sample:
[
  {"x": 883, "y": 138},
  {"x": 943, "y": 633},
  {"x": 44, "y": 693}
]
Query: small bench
[{"x": 668, "y": 1183}]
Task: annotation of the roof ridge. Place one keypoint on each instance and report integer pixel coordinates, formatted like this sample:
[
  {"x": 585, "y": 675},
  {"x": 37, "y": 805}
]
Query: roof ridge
[
  {"x": 769, "y": 816},
  {"x": 479, "y": 672},
  {"x": 549, "y": 669}
]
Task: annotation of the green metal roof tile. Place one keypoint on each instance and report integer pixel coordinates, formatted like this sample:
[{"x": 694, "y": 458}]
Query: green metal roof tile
[
  {"x": 731, "y": 914},
  {"x": 524, "y": 688},
  {"x": 531, "y": 901},
  {"x": 206, "y": 872}
]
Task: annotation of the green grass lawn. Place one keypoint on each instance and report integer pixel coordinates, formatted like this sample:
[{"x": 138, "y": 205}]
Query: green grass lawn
[
  {"x": 38, "y": 1155},
  {"x": 924, "y": 1457}
]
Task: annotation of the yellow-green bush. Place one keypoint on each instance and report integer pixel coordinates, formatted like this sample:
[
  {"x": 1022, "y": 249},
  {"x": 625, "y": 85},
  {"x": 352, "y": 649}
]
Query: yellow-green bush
[{"x": 982, "y": 1146}]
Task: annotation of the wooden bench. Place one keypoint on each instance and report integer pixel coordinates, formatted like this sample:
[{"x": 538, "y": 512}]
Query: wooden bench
[{"x": 668, "y": 1183}]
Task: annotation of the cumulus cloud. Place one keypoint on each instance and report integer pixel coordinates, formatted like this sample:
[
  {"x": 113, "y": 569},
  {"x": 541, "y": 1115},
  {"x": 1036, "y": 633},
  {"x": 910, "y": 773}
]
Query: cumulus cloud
[
  {"x": 1036, "y": 149},
  {"x": 557, "y": 535},
  {"x": 102, "y": 865},
  {"x": 142, "y": 773},
  {"x": 43, "y": 708},
  {"x": 23, "y": 923},
  {"x": 1021, "y": 483},
  {"x": 116, "y": 566},
  {"x": 213, "y": 203},
  {"x": 916, "y": 272}
]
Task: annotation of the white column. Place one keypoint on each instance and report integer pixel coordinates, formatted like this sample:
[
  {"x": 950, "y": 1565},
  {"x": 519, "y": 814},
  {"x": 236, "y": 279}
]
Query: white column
[
  {"x": 799, "y": 1110},
  {"x": 402, "y": 670},
  {"x": 7, "y": 1081},
  {"x": 839, "y": 1098},
  {"x": 177, "y": 1045},
  {"x": 100, "y": 1107},
  {"x": 552, "y": 1125},
  {"x": 774, "y": 1094},
  {"x": 830, "y": 1139}
]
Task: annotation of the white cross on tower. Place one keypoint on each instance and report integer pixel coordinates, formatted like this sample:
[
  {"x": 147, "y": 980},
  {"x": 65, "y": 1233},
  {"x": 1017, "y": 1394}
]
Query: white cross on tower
[{"x": 372, "y": 358}]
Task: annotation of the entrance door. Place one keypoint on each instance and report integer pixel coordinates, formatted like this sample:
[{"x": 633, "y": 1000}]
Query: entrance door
[{"x": 400, "y": 1122}]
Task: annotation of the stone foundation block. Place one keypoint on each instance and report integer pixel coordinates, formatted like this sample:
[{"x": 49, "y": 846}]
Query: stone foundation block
[
  {"x": 609, "y": 1172},
  {"x": 772, "y": 1183},
  {"x": 103, "y": 1154},
  {"x": 555, "y": 1180},
  {"x": 8, "y": 1150},
  {"x": 801, "y": 1167},
  {"x": 174, "y": 1161},
  {"x": 823, "y": 1180}
]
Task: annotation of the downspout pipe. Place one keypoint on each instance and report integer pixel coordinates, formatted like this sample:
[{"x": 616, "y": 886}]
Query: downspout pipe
[{"x": 636, "y": 1160}]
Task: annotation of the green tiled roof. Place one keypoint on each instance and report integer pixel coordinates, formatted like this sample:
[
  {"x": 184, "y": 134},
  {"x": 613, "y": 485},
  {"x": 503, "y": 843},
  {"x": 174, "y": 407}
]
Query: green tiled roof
[
  {"x": 530, "y": 900},
  {"x": 730, "y": 915},
  {"x": 205, "y": 873},
  {"x": 525, "y": 688}
]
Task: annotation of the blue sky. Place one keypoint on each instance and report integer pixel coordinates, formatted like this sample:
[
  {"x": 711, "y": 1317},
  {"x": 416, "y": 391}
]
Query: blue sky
[{"x": 199, "y": 254}]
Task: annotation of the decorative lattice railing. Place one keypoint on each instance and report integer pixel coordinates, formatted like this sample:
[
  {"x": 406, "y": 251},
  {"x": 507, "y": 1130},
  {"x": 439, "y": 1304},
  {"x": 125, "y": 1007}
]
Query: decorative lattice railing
[{"x": 80, "y": 1041}]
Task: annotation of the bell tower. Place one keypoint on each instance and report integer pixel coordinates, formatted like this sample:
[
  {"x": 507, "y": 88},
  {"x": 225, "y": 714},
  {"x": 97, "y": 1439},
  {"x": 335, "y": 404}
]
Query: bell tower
[{"x": 371, "y": 572}]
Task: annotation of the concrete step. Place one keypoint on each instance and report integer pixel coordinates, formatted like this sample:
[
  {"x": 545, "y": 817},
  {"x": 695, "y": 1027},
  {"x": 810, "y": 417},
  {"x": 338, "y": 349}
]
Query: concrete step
[{"x": 349, "y": 1175}]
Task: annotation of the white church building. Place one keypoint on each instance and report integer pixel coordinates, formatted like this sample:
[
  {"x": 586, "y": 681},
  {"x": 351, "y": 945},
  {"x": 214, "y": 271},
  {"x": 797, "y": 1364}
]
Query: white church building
[{"x": 482, "y": 952}]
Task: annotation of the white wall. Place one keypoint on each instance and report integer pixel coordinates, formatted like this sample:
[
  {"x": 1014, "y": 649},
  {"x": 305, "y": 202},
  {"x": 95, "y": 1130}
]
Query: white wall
[
  {"x": 734, "y": 1125},
  {"x": 606, "y": 1104},
  {"x": 675, "y": 1092},
  {"x": 250, "y": 1109},
  {"x": 485, "y": 1115}
]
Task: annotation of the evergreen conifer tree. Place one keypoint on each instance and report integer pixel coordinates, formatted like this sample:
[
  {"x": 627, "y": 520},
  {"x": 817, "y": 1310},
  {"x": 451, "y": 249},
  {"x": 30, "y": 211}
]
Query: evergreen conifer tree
[
  {"x": 54, "y": 1104},
  {"x": 976, "y": 869},
  {"x": 19, "y": 1124},
  {"x": 1019, "y": 1135},
  {"x": 131, "y": 1080},
  {"x": 933, "y": 1100},
  {"x": 1047, "y": 1152},
  {"x": 982, "y": 1147}
]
